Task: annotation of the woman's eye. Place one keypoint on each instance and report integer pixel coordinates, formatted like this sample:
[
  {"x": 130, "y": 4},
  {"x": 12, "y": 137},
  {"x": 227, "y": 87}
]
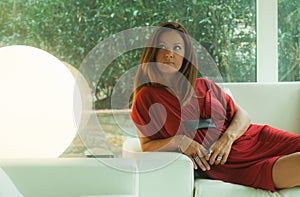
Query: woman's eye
[
  {"x": 162, "y": 46},
  {"x": 177, "y": 48}
]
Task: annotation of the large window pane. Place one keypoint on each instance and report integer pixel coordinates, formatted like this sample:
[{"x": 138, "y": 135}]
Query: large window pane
[
  {"x": 228, "y": 30},
  {"x": 289, "y": 40},
  {"x": 71, "y": 29}
]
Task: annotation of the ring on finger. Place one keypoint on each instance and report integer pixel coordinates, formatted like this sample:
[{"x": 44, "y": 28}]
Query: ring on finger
[
  {"x": 194, "y": 155},
  {"x": 219, "y": 158},
  {"x": 197, "y": 159}
]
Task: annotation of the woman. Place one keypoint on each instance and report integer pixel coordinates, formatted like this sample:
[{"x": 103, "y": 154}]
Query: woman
[{"x": 175, "y": 111}]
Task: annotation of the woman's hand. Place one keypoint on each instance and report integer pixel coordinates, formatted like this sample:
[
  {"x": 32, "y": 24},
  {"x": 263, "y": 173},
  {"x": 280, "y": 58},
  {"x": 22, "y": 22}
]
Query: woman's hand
[
  {"x": 196, "y": 152},
  {"x": 220, "y": 150}
]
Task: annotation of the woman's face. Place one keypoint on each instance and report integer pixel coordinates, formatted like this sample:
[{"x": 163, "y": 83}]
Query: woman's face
[{"x": 171, "y": 51}]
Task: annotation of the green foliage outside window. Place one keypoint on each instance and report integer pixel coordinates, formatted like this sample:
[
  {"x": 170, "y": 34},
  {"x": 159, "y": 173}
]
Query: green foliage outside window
[
  {"x": 70, "y": 29},
  {"x": 289, "y": 40}
]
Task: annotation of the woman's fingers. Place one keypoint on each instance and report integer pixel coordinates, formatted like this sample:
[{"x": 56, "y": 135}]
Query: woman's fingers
[
  {"x": 198, "y": 154},
  {"x": 208, "y": 155},
  {"x": 201, "y": 160},
  {"x": 218, "y": 158},
  {"x": 202, "y": 163},
  {"x": 205, "y": 163},
  {"x": 193, "y": 157},
  {"x": 224, "y": 159},
  {"x": 194, "y": 163}
]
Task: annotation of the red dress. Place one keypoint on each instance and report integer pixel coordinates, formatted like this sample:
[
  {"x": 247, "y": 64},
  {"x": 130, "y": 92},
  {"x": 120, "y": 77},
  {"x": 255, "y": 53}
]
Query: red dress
[{"x": 158, "y": 114}]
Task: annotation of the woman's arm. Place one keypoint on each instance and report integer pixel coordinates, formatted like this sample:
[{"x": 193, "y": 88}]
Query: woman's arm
[
  {"x": 166, "y": 144},
  {"x": 170, "y": 144},
  {"x": 239, "y": 124},
  {"x": 237, "y": 127},
  {"x": 180, "y": 143}
]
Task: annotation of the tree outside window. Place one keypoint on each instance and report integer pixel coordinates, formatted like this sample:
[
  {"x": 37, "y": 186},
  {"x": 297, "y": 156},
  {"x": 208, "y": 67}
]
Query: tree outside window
[{"x": 288, "y": 40}]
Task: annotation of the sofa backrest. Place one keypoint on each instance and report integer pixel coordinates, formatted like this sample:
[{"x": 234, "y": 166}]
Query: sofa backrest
[{"x": 275, "y": 104}]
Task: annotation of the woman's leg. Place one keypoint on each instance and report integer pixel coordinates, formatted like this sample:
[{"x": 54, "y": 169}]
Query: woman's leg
[{"x": 286, "y": 171}]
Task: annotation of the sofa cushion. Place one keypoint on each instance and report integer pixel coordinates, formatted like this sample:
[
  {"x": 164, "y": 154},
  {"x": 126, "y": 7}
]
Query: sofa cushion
[
  {"x": 290, "y": 192},
  {"x": 108, "y": 195},
  {"x": 208, "y": 187}
]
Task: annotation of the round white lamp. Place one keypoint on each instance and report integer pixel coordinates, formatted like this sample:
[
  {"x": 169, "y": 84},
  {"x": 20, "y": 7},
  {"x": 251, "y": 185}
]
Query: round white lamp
[{"x": 40, "y": 104}]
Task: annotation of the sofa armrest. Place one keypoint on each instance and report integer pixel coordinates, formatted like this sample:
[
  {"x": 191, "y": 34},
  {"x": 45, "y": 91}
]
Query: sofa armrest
[
  {"x": 132, "y": 148},
  {"x": 161, "y": 173},
  {"x": 8, "y": 188},
  {"x": 76, "y": 177}
]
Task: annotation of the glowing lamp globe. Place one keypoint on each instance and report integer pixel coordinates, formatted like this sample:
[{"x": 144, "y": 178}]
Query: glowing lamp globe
[{"x": 40, "y": 104}]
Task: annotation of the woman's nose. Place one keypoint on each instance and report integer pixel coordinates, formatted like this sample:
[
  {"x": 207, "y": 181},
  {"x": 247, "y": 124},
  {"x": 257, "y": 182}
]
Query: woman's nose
[{"x": 169, "y": 54}]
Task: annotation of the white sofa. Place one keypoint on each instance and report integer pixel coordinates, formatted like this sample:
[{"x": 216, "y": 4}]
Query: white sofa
[{"x": 276, "y": 104}]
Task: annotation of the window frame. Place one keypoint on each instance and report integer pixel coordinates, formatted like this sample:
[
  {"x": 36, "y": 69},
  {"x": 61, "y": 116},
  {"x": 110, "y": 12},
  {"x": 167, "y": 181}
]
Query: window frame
[{"x": 267, "y": 41}]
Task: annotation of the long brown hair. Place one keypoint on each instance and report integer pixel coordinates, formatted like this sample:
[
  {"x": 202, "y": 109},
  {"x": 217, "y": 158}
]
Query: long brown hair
[{"x": 188, "y": 71}]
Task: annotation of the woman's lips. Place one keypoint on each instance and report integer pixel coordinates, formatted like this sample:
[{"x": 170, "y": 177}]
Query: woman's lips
[{"x": 168, "y": 63}]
